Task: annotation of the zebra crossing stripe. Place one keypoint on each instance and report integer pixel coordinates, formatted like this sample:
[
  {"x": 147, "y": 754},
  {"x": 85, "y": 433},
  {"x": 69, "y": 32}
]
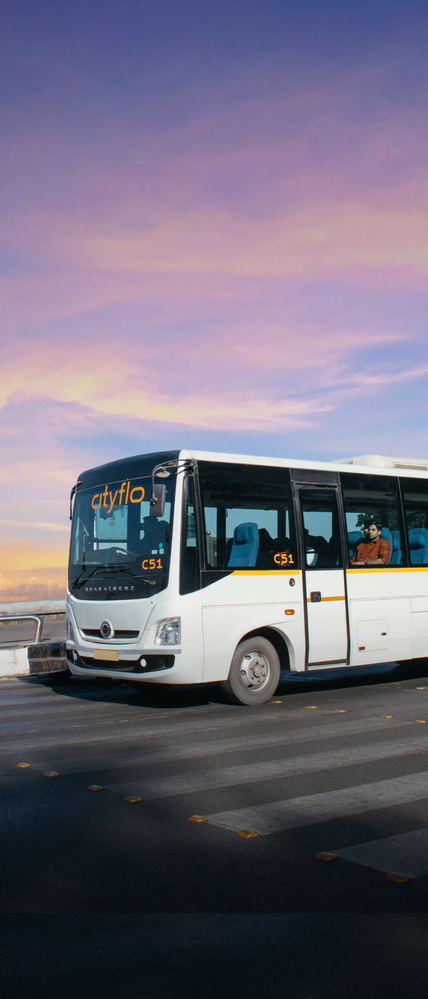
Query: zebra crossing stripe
[
  {"x": 294, "y": 812},
  {"x": 251, "y": 773},
  {"x": 329, "y": 730},
  {"x": 276, "y": 768},
  {"x": 406, "y": 853}
]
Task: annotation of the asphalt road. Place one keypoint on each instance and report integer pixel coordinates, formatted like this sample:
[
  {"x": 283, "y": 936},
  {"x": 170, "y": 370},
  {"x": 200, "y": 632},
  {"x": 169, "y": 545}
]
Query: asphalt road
[
  {"x": 104, "y": 897},
  {"x": 160, "y": 956},
  {"x": 321, "y": 770}
]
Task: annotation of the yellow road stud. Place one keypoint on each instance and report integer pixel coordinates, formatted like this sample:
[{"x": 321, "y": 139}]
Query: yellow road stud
[
  {"x": 276, "y": 702},
  {"x": 398, "y": 878},
  {"x": 23, "y": 765},
  {"x": 386, "y": 716},
  {"x": 247, "y": 833},
  {"x": 339, "y": 711},
  {"x": 51, "y": 773},
  {"x": 325, "y": 856},
  {"x": 95, "y": 787},
  {"x": 131, "y": 798},
  {"x": 420, "y": 721},
  {"x": 311, "y": 705},
  {"x": 197, "y": 818}
]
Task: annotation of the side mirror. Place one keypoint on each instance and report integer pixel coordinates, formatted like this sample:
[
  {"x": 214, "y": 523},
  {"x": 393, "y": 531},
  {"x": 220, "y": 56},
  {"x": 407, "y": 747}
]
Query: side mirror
[{"x": 157, "y": 502}]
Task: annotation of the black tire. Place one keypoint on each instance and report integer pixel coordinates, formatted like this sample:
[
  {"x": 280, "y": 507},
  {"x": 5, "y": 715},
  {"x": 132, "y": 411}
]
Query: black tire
[{"x": 254, "y": 672}]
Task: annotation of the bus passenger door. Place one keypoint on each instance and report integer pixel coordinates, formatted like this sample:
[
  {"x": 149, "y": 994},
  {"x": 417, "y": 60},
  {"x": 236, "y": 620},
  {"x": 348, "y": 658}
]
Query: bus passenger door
[{"x": 324, "y": 581}]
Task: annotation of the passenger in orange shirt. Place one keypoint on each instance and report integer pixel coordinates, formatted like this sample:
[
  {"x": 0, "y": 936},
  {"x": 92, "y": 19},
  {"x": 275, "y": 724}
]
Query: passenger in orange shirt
[{"x": 373, "y": 551}]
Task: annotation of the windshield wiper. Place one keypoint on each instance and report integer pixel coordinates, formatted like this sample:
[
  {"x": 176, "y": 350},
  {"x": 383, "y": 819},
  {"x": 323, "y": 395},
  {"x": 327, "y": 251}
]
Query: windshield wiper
[
  {"x": 110, "y": 567},
  {"x": 123, "y": 568},
  {"x": 103, "y": 565},
  {"x": 75, "y": 585}
]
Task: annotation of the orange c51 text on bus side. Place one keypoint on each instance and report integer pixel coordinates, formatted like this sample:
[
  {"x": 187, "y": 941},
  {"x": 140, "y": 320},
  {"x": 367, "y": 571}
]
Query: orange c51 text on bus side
[{"x": 283, "y": 558}]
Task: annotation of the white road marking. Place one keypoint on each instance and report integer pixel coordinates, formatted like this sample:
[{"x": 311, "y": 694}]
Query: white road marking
[
  {"x": 294, "y": 812},
  {"x": 405, "y": 854},
  {"x": 283, "y": 767},
  {"x": 204, "y": 780}
]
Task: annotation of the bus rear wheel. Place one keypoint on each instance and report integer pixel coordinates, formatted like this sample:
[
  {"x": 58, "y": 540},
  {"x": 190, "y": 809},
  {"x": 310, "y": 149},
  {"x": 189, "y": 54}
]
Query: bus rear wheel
[{"x": 254, "y": 672}]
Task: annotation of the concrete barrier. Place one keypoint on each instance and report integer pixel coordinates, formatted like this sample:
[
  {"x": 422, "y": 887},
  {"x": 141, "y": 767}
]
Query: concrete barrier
[
  {"x": 32, "y": 607},
  {"x": 33, "y": 660}
]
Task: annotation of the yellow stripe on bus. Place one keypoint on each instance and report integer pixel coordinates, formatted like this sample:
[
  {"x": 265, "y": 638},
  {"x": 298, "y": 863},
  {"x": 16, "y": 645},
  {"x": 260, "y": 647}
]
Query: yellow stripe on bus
[
  {"x": 308, "y": 599},
  {"x": 265, "y": 572},
  {"x": 296, "y": 572},
  {"x": 393, "y": 568}
]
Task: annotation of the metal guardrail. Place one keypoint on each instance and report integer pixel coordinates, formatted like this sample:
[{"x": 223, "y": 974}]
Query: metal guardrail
[{"x": 26, "y": 617}]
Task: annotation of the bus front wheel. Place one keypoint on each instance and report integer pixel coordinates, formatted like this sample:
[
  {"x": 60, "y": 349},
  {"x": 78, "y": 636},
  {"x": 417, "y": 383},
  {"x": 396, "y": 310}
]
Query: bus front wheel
[{"x": 254, "y": 672}]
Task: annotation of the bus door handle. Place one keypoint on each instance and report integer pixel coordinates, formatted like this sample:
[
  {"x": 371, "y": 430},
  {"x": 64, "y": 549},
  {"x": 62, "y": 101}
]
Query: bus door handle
[{"x": 316, "y": 597}]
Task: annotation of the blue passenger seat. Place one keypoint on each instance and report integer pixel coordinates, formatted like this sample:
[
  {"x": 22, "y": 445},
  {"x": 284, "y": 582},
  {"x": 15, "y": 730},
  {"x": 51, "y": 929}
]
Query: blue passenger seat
[
  {"x": 386, "y": 533},
  {"x": 396, "y": 548},
  {"x": 418, "y": 544},
  {"x": 353, "y": 538},
  {"x": 245, "y": 546}
]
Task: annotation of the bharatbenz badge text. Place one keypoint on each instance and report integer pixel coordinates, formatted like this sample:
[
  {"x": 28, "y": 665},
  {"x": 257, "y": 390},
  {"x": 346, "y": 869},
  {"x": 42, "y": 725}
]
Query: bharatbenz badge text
[
  {"x": 136, "y": 496},
  {"x": 109, "y": 589}
]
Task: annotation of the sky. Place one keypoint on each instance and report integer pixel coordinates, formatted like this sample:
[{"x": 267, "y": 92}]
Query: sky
[{"x": 214, "y": 234}]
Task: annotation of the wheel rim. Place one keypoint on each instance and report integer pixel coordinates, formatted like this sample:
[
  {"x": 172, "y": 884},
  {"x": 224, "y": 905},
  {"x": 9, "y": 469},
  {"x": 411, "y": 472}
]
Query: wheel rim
[{"x": 254, "y": 670}]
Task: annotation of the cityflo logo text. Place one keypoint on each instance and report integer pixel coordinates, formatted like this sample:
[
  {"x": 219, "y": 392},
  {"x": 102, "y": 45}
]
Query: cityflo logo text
[{"x": 135, "y": 495}]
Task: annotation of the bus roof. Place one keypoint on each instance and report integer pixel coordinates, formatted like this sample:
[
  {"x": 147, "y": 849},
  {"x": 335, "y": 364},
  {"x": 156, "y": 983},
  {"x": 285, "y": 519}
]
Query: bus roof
[
  {"x": 366, "y": 462},
  {"x": 384, "y": 461}
]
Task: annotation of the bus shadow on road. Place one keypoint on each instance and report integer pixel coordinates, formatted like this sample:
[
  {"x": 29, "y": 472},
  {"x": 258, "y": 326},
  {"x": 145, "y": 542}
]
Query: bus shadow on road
[
  {"x": 154, "y": 696},
  {"x": 352, "y": 676},
  {"x": 202, "y": 695}
]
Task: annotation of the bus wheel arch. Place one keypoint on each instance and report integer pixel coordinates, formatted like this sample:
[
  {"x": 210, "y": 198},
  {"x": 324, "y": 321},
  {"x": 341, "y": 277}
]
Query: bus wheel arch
[{"x": 279, "y": 642}]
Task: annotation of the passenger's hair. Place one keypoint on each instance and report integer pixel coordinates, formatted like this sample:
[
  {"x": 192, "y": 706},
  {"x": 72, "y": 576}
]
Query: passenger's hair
[{"x": 373, "y": 520}]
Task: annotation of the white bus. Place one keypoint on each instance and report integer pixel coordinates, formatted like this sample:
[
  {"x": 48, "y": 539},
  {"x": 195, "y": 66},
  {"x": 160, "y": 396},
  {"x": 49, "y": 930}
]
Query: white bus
[{"x": 189, "y": 567}]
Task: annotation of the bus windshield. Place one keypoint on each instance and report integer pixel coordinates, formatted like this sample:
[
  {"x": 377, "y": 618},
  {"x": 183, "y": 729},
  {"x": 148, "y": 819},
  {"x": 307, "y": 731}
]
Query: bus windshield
[{"x": 113, "y": 535}]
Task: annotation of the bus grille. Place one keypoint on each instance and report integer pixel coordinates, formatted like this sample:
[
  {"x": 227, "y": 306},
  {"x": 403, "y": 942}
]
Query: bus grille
[{"x": 95, "y": 633}]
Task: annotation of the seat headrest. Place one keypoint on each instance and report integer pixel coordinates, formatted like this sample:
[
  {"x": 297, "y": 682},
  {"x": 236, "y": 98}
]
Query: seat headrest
[
  {"x": 417, "y": 540},
  {"x": 244, "y": 533},
  {"x": 354, "y": 536}
]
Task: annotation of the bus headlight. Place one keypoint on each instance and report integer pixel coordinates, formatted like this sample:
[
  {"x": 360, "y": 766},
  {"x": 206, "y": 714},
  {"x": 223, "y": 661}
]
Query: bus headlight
[{"x": 168, "y": 631}]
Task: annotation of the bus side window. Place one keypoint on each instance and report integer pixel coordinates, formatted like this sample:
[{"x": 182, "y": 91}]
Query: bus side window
[
  {"x": 248, "y": 513},
  {"x": 415, "y": 501},
  {"x": 373, "y": 498},
  {"x": 321, "y": 528},
  {"x": 189, "y": 563}
]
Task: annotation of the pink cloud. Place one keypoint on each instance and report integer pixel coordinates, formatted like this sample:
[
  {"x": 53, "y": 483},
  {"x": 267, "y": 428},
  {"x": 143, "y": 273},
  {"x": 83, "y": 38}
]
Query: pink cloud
[{"x": 368, "y": 238}]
